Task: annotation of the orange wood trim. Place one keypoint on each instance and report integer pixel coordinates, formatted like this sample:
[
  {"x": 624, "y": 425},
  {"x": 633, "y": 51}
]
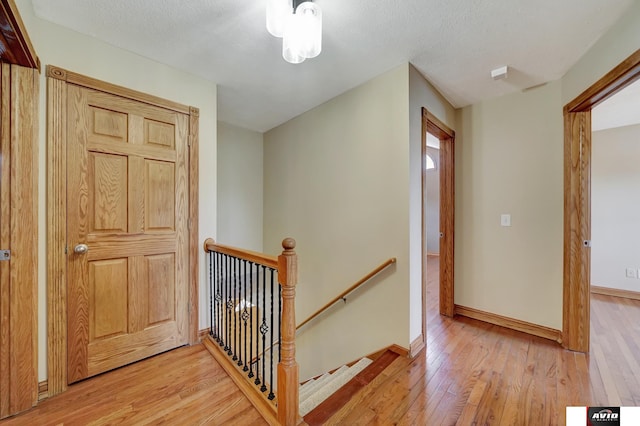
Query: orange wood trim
[
  {"x": 613, "y": 81},
  {"x": 577, "y": 228},
  {"x": 56, "y": 236},
  {"x": 615, "y": 292},
  {"x": 92, "y": 83},
  {"x": 402, "y": 351},
  {"x": 512, "y": 323},
  {"x": 5, "y": 236},
  {"x": 18, "y": 233},
  {"x": 194, "y": 252},
  {"x": 202, "y": 334},
  {"x": 433, "y": 125},
  {"x": 577, "y": 204},
  {"x": 437, "y": 127},
  {"x": 288, "y": 375},
  {"x": 361, "y": 281},
  {"x": 416, "y": 346},
  {"x": 265, "y": 407},
  {"x": 252, "y": 256},
  {"x": 14, "y": 40}
]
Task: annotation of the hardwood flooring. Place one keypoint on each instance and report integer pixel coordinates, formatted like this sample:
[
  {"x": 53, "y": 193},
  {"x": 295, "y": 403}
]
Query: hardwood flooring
[
  {"x": 470, "y": 373},
  {"x": 477, "y": 373},
  {"x": 185, "y": 386}
]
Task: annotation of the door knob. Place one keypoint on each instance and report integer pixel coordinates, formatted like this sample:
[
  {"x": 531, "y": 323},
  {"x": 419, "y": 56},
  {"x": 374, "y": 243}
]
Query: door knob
[{"x": 81, "y": 249}]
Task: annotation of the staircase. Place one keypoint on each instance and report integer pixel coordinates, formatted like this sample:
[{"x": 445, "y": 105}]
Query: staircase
[{"x": 322, "y": 397}]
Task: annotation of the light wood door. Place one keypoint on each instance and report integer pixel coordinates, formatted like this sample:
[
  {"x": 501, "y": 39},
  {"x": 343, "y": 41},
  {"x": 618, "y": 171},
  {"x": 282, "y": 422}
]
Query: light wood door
[
  {"x": 19, "y": 235},
  {"x": 127, "y": 205}
]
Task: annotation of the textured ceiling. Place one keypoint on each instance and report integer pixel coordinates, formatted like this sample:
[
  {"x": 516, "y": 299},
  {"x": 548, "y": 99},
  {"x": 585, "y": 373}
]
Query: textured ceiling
[{"x": 454, "y": 44}]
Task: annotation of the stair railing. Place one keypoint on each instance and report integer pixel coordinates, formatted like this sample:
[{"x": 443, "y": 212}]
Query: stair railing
[
  {"x": 248, "y": 311},
  {"x": 341, "y": 296},
  {"x": 344, "y": 294}
]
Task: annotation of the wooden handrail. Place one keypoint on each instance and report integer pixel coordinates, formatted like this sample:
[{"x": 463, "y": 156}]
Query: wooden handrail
[
  {"x": 349, "y": 290},
  {"x": 251, "y": 256}
]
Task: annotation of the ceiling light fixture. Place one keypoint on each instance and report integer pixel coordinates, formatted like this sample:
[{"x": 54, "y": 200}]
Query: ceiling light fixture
[{"x": 299, "y": 23}]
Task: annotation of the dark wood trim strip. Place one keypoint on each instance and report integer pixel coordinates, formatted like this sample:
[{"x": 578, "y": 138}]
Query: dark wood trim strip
[
  {"x": 511, "y": 323},
  {"x": 92, "y": 83},
  {"x": 615, "y": 292},
  {"x": 14, "y": 39}
]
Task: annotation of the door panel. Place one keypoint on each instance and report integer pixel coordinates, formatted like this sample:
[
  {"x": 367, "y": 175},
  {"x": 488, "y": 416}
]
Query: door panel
[{"x": 128, "y": 202}]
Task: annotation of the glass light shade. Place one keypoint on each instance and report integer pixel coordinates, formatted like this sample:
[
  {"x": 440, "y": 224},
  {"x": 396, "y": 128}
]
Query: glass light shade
[
  {"x": 277, "y": 11},
  {"x": 291, "y": 40},
  {"x": 309, "y": 29}
]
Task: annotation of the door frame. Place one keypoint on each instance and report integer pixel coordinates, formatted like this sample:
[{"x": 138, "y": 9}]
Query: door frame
[
  {"x": 57, "y": 80},
  {"x": 577, "y": 200},
  {"x": 433, "y": 125}
]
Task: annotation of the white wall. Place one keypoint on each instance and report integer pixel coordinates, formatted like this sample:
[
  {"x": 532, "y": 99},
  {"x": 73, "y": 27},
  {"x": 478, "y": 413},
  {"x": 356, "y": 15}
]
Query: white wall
[
  {"x": 508, "y": 159},
  {"x": 240, "y": 182},
  {"x": 432, "y": 214},
  {"x": 76, "y": 52},
  {"x": 615, "y": 207},
  {"x": 421, "y": 94},
  {"x": 337, "y": 180}
]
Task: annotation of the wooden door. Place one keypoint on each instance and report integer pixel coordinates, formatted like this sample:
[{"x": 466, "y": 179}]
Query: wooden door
[
  {"x": 19, "y": 236},
  {"x": 127, "y": 231}
]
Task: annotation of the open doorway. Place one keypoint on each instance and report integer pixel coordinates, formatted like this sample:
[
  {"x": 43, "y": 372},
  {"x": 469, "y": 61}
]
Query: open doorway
[
  {"x": 437, "y": 229},
  {"x": 577, "y": 211}
]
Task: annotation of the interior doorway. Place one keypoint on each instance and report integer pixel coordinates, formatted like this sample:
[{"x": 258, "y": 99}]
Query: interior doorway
[
  {"x": 436, "y": 133},
  {"x": 577, "y": 202}
]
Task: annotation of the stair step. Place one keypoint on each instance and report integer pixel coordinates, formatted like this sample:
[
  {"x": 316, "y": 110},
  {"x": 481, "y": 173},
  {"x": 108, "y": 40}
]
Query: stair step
[
  {"x": 338, "y": 379},
  {"x": 330, "y": 406},
  {"x": 317, "y": 383}
]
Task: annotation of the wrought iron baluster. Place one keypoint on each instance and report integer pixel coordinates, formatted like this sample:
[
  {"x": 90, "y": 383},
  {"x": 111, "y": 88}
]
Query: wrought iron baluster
[
  {"x": 227, "y": 345},
  {"x": 251, "y": 321},
  {"x": 257, "y": 381},
  {"x": 234, "y": 340},
  {"x": 211, "y": 292},
  {"x": 236, "y": 314},
  {"x": 245, "y": 316},
  {"x": 264, "y": 328},
  {"x": 279, "y": 322},
  {"x": 271, "y": 394},
  {"x": 219, "y": 329}
]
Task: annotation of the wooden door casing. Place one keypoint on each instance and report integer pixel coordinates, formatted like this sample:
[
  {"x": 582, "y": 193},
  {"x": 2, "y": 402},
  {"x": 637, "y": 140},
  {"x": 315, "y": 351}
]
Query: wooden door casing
[{"x": 128, "y": 202}]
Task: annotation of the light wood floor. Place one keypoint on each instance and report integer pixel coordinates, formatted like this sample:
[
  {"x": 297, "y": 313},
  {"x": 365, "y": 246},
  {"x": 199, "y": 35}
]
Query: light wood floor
[
  {"x": 476, "y": 373},
  {"x": 470, "y": 373},
  {"x": 182, "y": 387}
]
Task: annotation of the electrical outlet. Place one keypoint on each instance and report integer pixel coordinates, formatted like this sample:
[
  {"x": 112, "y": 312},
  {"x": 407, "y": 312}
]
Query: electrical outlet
[
  {"x": 632, "y": 273},
  {"x": 505, "y": 220}
]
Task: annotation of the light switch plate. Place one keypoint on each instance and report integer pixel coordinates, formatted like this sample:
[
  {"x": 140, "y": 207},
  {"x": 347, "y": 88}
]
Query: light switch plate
[{"x": 505, "y": 220}]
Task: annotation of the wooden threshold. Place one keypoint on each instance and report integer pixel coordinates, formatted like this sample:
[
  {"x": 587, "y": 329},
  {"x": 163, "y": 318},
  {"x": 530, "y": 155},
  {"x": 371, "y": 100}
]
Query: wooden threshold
[{"x": 512, "y": 323}]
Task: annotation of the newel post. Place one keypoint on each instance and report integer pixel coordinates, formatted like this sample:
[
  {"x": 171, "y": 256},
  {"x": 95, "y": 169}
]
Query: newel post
[{"x": 288, "y": 398}]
